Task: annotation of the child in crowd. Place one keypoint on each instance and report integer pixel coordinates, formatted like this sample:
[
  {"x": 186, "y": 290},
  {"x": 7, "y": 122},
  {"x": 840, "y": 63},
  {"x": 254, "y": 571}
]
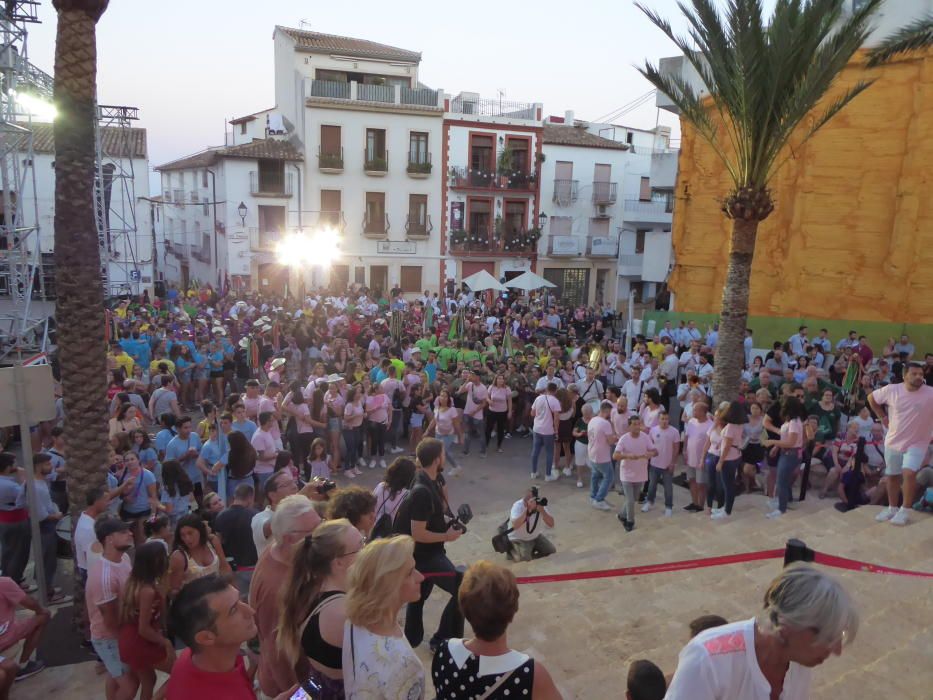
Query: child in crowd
[
  {"x": 318, "y": 459},
  {"x": 158, "y": 528}
]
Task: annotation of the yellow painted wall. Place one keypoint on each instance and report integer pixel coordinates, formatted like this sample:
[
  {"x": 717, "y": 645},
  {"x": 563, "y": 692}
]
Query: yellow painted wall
[{"x": 851, "y": 236}]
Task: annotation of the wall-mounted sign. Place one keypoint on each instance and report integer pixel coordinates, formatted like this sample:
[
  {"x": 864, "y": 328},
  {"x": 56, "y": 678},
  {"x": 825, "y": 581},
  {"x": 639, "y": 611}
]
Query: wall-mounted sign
[
  {"x": 456, "y": 216},
  {"x": 396, "y": 247}
]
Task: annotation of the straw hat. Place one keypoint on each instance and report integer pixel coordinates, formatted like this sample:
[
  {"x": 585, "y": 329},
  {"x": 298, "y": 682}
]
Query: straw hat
[
  {"x": 276, "y": 363},
  {"x": 331, "y": 378},
  {"x": 266, "y": 328},
  {"x": 244, "y": 343}
]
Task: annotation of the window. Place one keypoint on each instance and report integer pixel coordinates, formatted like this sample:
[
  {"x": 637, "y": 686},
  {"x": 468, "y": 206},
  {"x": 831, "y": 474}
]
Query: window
[
  {"x": 418, "y": 148},
  {"x": 204, "y": 178},
  {"x": 640, "y": 241},
  {"x": 205, "y": 207},
  {"x": 411, "y": 278},
  {"x": 572, "y": 284},
  {"x": 481, "y": 150},
  {"x": 561, "y": 225},
  {"x": 375, "y": 213},
  {"x": 331, "y": 207},
  {"x": 271, "y": 219},
  {"x": 629, "y": 138},
  {"x": 375, "y": 144},
  {"x": 644, "y": 190},
  {"x": 515, "y": 216},
  {"x": 359, "y": 275},
  {"x": 330, "y": 140},
  {"x": 519, "y": 148},
  {"x": 332, "y": 75},
  {"x": 184, "y": 228},
  {"x": 243, "y": 128},
  {"x": 340, "y": 276},
  {"x": 271, "y": 175},
  {"x": 206, "y": 245},
  {"x": 418, "y": 214},
  {"x": 480, "y": 216},
  {"x": 599, "y": 227}
]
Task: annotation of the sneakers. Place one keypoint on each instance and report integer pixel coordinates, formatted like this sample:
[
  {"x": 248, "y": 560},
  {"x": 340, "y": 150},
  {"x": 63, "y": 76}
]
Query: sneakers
[
  {"x": 627, "y": 524},
  {"x": 508, "y": 435},
  {"x": 773, "y": 503},
  {"x": 717, "y": 510},
  {"x": 900, "y": 517},
  {"x": 886, "y": 514},
  {"x": 774, "y": 514},
  {"x": 357, "y": 472},
  {"x": 396, "y": 450},
  {"x": 645, "y": 508},
  {"x": 350, "y": 473},
  {"x": 534, "y": 475},
  {"x": 499, "y": 450},
  {"x": 567, "y": 471},
  {"x": 553, "y": 476},
  {"x": 719, "y": 515},
  {"x": 482, "y": 455},
  {"x": 668, "y": 512},
  {"x": 30, "y": 669},
  {"x": 455, "y": 471},
  {"x": 601, "y": 505},
  {"x": 382, "y": 464},
  {"x": 692, "y": 508},
  {"x": 579, "y": 484}
]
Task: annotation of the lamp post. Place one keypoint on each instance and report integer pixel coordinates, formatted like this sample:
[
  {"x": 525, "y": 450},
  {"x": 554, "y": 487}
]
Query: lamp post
[
  {"x": 542, "y": 220},
  {"x": 241, "y": 212}
]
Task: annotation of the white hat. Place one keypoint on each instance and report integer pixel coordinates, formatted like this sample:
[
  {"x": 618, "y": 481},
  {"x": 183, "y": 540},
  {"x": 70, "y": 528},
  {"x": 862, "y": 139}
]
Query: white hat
[
  {"x": 258, "y": 322},
  {"x": 241, "y": 304},
  {"x": 265, "y": 319},
  {"x": 416, "y": 349},
  {"x": 331, "y": 378},
  {"x": 244, "y": 343},
  {"x": 217, "y": 330},
  {"x": 266, "y": 328},
  {"x": 276, "y": 363},
  {"x": 202, "y": 321}
]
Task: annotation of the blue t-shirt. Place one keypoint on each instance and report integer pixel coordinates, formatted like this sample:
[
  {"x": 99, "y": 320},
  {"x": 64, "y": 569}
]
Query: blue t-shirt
[
  {"x": 181, "y": 505},
  {"x": 114, "y": 506},
  {"x": 162, "y": 439},
  {"x": 431, "y": 371},
  {"x": 176, "y": 450},
  {"x": 136, "y": 500},
  {"x": 247, "y": 427},
  {"x": 216, "y": 360},
  {"x": 213, "y": 452}
]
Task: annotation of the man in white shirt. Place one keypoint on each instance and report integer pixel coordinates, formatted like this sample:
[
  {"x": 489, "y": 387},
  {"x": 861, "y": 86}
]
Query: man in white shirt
[
  {"x": 693, "y": 333},
  {"x": 548, "y": 378},
  {"x": 798, "y": 342},
  {"x": 747, "y": 346},
  {"x": 280, "y": 485},
  {"x": 705, "y": 370},
  {"x": 690, "y": 358},
  {"x": 477, "y": 398},
  {"x": 591, "y": 389},
  {"x": 528, "y": 542},
  {"x": 544, "y": 411},
  {"x": 712, "y": 335},
  {"x": 375, "y": 348},
  {"x": 97, "y": 501}
]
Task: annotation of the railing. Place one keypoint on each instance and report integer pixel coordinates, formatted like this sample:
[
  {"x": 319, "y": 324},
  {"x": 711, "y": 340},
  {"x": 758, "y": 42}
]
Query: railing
[
  {"x": 330, "y": 88},
  {"x": 631, "y": 264},
  {"x": 419, "y": 96},
  {"x": 377, "y": 225},
  {"x": 194, "y": 197},
  {"x": 178, "y": 196},
  {"x": 479, "y": 179},
  {"x": 279, "y": 185},
  {"x": 329, "y": 161},
  {"x": 602, "y": 246},
  {"x": 492, "y": 242},
  {"x": 263, "y": 241},
  {"x": 419, "y": 163},
  {"x": 493, "y": 108},
  {"x": 648, "y": 207},
  {"x": 416, "y": 228},
  {"x": 604, "y": 192},
  {"x": 375, "y": 161},
  {"x": 375, "y": 93},
  {"x": 332, "y": 219},
  {"x": 179, "y": 250},
  {"x": 565, "y": 192},
  {"x": 201, "y": 253}
]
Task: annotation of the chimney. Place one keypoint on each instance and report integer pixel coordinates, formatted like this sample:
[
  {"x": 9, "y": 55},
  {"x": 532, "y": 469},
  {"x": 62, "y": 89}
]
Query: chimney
[{"x": 568, "y": 117}]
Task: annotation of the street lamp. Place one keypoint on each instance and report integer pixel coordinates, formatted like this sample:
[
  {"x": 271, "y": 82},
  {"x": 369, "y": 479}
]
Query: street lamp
[
  {"x": 241, "y": 210},
  {"x": 542, "y": 220}
]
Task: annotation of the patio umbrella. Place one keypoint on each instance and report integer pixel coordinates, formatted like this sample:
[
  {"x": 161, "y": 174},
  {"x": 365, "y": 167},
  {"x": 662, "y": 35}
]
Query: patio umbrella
[
  {"x": 482, "y": 281},
  {"x": 529, "y": 281}
]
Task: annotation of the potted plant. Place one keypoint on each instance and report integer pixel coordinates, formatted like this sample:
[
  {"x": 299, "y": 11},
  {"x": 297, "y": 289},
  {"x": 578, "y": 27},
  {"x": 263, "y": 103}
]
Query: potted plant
[{"x": 504, "y": 166}]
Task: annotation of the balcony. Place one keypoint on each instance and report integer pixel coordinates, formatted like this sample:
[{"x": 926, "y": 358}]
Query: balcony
[
  {"x": 330, "y": 163},
  {"x": 419, "y": 165},
  {"x": 467, "y": 178},
  {"x": 484, "y": 242},
  {"x": 180, "y": 250},
  {"x": 417, "y": 229},
  {"x": 559, "y": 246},
  {"x": 481, "y": 107},
  {"x": 604, "y": 192},
  {"x": 202, "y": 253},
  {"x": 329, "y": 219},
  {"x": 631, "y": 264},
  {"x": 178, "y": 196},
  {"x": 194, "y": 197},
  {"x": 602, "y": 247},
  {"x": 268, "y": 185},
  {"x": 374, "y": 94},
  {"x": 375, "y": 225},
  {"x": 565, "y": 192},
  {"x": 375, "y": 163},
  {"x": 649, "y": 211},
  {"x": 264, "y": 241}
]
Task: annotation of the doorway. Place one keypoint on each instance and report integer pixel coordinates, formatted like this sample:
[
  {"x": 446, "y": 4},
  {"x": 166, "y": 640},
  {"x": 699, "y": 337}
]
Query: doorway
[{"x": 379, "y": 279}]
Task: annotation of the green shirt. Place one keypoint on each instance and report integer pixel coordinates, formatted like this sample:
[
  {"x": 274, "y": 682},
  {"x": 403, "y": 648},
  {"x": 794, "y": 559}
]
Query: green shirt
[
  {"x": 444, "y": 356},
  {"x": 426, "y": 345},
  {"x": 467, "y": 356}
]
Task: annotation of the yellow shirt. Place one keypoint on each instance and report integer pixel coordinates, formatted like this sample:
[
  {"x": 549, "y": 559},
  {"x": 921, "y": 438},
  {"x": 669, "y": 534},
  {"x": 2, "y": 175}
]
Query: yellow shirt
[
  {"x": 656, "y": 349},
  {"x": 125, "y": 361},
  {"x": 154, "y": 366}
]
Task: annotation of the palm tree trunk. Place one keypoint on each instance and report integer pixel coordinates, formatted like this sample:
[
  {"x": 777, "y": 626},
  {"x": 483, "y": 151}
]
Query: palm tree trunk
[
  {"x": 80, "y": 303},
  {"x": 730, "y": 351}
]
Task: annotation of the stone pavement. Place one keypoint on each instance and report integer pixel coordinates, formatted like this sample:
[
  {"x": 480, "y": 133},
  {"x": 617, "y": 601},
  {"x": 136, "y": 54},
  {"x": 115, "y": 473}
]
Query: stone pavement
[{"x": 587, "y": 632}]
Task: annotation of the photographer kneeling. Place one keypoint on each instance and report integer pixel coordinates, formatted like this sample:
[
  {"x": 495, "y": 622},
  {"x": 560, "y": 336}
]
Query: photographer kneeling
[{"x": 528, "y": 542}]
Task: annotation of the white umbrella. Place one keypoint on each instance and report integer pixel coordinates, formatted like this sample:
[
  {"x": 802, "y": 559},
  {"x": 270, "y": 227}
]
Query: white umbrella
[
  {"x": 528, "y": 281},
  {"x": 482, "y": 281}
]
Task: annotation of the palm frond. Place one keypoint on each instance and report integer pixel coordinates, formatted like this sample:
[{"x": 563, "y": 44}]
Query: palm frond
[{"x": 918, "y": 35}]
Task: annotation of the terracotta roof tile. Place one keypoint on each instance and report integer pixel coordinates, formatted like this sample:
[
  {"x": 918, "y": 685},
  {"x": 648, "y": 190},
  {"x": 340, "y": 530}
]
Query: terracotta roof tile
[
  {"x": 316, "y": 42},
  {"x": 256, "y": 149},
  {"x": 114, "y": 142},
  {"x": 574, "y": 136}
]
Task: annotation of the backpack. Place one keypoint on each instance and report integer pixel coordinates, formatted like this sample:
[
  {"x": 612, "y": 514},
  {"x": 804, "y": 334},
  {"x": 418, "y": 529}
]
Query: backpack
[{"x": 385, "y": 523}]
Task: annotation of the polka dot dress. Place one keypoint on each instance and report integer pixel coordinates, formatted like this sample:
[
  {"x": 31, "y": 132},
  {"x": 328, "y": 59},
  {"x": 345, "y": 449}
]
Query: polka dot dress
[{"x": 453, "y": 681}]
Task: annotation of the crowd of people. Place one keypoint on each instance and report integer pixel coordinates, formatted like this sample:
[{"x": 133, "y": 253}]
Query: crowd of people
[{"x": 229, "y": 517}]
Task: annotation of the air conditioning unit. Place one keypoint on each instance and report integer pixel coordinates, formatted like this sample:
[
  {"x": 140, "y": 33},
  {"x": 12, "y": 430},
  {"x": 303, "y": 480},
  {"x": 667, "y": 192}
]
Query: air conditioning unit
[{"x": 602, "y": 211}]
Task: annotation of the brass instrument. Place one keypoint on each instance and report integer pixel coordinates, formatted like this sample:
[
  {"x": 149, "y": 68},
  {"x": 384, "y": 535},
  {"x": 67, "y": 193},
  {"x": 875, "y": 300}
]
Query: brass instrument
[{"x": 597, "y": 355}]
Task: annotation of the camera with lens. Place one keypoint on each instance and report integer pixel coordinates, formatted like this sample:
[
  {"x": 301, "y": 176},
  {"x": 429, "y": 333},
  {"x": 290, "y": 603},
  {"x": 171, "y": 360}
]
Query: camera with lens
[
  {"x": 323, "y": 486},
  {"x": 461, "y": 519},
  {"x": 538, "y": 500}
]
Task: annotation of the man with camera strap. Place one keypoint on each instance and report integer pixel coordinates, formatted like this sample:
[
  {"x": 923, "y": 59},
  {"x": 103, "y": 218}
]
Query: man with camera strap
[{"x": 528, "y": 542}]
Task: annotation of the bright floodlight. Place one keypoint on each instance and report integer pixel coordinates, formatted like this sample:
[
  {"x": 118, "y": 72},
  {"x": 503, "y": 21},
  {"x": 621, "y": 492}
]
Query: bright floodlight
[
  {"x": 41, "y": 109},
  {"x": 319, "y": 248}
]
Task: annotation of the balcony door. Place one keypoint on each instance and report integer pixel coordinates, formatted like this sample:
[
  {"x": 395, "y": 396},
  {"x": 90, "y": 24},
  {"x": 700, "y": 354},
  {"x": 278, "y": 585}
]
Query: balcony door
[
  {"x": 331, "y": 208},
  {"x": 271, "y": 225},
  {"x": 482, "y": 154},
  {"x": 601, "y": 188},
  {"x": 375, "y": 144},
  {"x": 271, "y": 176},
  {"x": 515, "y": 216},
  {"x": 330, "y": 140},
  {"x": 519, "y": 147},
  {"x": 480, "y": 216},
  {"x": 418, "y": 148},
  {"x": 379, "y": 278},
  {"x": 375, "y": 212}
]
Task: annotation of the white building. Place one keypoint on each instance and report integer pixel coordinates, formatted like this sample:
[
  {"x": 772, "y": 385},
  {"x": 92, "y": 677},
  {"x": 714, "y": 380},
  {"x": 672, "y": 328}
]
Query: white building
[
  {"x": 129, "y": 239},
  {"x": 492, "y": 204}
]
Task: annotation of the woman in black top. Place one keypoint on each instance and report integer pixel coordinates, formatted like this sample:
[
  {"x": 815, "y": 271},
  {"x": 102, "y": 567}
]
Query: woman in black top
[
  {"x": 485, "y": 667},
  {"x": 313, "y": 615}
]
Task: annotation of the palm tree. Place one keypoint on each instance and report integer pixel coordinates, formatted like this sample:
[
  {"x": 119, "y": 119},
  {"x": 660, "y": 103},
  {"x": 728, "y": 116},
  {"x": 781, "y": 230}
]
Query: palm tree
[
  {"x": 80, "y": 304},
  {"x": 918, "y": 35},
  {"x": 764, "y": 80}
]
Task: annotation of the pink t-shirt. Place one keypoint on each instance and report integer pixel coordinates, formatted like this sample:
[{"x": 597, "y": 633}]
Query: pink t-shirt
[
  {"x": 352, "y": 416},
  {"x": 910, "y": 415},
  {"x": 335, "y": 402},
  {"x": 269, "y": 405},
  {"x": 390, "y": 386},
  {"x": 737, "y": 433},
  {"x": 544, "y": 408},
  {"x": 302, "y": 410},
  {"x": 264, "y": 442},
  {"x": 476, "y": 394},
  {"x": 444, "y": 418},
  {"x": 252, "y": 406},
  {"x": 695, "y": 439},
  {"x": 105, "y": 582},
  {"x": 619, "y": 421},
  {"x": 794, "y": 428},
  {"x": 377, "y": 408},
  {"x": 634, "y": 471},
  {"x": 650, "y": 417},
  {"x": 665, "y": 441},
  {"x": 499, "y": 398},
  {"x": 599, "y": 432},
  {"x": 715, "y": 438}
]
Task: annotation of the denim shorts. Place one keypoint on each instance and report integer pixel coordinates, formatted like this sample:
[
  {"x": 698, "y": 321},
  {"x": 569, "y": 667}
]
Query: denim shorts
[
  {"x": 333, "y": 424},
  {"x": 109, "y": 652}
]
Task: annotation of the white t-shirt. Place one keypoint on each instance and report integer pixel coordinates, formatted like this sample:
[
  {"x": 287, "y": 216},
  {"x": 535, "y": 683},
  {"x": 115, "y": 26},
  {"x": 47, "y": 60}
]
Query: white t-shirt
[
  {"x": 84, "y": 538},
  {"x": 536, "y": 522},
  {"x": 380, "y": 667},
  {"x": 542, "y": 383},
  {"x": 256, "y": 525},
  {"x": 544, "y": 407},
  {"x": 720, "y": 664}
]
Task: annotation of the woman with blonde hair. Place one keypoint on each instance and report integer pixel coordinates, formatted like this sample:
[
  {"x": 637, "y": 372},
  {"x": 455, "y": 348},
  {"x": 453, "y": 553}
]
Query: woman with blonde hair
[
  {"x": 310, "y": 634},
  {"x": 378, "y": 662}
]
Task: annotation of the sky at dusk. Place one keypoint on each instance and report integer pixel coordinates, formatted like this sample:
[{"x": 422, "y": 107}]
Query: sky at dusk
[{"x": 189, "y": 65}]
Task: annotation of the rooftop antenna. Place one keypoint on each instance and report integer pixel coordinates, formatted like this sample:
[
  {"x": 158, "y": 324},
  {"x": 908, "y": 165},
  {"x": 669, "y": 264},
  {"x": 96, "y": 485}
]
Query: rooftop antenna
[
  {"x": 501, "y": 93},
  {"x": 303, "y": 23}
]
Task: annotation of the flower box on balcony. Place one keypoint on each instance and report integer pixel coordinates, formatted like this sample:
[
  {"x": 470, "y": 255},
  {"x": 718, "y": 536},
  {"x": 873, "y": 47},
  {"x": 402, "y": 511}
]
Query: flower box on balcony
[{"x": 419, "y": 170}]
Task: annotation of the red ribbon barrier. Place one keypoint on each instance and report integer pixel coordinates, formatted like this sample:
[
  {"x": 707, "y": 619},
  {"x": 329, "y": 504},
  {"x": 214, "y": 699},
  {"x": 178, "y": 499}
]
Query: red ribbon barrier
[{"x": 688, "y": 564}]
